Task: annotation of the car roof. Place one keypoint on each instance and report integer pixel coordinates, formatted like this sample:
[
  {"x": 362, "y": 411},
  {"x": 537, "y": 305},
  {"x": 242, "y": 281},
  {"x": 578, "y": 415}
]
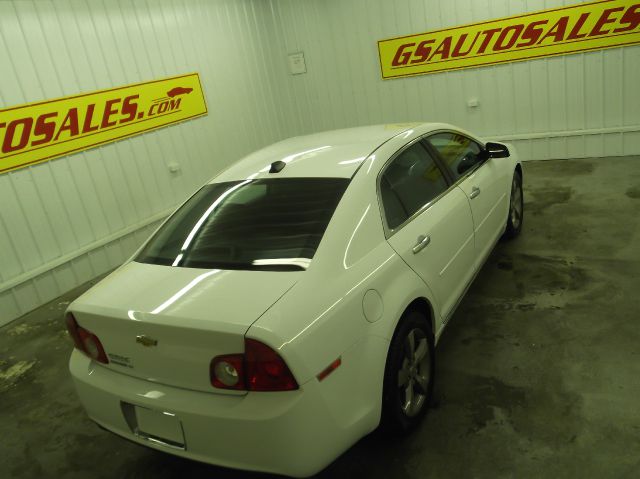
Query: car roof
[{"x": 336, "y": 153}]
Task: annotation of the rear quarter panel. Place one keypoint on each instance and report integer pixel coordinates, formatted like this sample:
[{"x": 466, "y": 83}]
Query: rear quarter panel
[{"x": 321, "y": 318}]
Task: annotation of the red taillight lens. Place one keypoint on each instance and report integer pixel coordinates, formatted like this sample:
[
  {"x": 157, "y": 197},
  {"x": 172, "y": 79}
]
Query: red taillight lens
[
  {"x": 265, "y": 369},
  {"x": 72, "y": 327},
  {"x": 260, "y": 368},
  {"x": 86, "y": 341}
]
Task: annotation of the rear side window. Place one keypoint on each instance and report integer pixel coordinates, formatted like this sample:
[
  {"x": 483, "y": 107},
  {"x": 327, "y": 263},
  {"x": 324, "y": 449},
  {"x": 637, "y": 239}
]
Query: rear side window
[
  {"x": 272, "y": 224},
  {"x": 410, "y": 181}
]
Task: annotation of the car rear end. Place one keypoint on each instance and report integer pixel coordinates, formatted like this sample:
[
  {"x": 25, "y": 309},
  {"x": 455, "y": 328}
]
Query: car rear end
[
  {"x": 287, "y": 432},
  {"x": 161, "y": 352}
]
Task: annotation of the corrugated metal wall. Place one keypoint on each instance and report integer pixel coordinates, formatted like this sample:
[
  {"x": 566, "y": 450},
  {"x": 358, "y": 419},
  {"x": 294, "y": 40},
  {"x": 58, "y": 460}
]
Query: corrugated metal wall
[
  {"x": 69, "y": 220},
  {"x": 580, "y": 105}
]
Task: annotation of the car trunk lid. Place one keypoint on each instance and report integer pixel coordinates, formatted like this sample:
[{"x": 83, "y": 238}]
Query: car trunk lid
[{"x": 166, "y": 324}]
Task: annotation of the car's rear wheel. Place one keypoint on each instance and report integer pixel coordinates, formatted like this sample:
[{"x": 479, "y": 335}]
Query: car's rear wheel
[
  {"x": 516, "y": 207},
  {"x": 409, "y": 374}
]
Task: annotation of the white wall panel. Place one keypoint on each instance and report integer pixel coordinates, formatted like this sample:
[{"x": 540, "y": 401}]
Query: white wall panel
[
  {"x": 543, "y": 105},
  {"x": 68, "y": 220},
  {"x": 71, "y": 219}
]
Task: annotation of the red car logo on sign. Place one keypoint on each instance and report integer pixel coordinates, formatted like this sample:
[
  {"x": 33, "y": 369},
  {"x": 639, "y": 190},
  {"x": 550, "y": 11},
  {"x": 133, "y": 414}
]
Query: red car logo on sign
[{"x": 178, "y": 91}]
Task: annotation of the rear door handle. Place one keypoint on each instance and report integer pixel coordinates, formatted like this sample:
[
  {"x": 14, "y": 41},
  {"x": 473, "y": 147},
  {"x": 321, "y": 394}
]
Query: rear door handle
[
  {"x": 475, "y": 191},
  {"x": 423, "y": 241}
]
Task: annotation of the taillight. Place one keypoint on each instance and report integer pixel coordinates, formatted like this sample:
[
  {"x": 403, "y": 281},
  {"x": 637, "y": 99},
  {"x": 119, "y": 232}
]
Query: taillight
[
  {"x": 260, "y": 368},
  {"x": 86, "y": 341},
  {"x": 227, "y": 372},
  {"x": 265, "y": 369}
]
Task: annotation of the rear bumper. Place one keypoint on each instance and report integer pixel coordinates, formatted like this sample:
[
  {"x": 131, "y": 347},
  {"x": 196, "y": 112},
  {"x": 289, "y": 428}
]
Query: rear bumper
[{"x": 291, "y": 433}]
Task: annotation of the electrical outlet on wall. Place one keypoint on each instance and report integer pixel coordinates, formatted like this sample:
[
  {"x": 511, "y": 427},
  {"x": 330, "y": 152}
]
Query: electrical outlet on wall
[{"x": 297, "y": 64}]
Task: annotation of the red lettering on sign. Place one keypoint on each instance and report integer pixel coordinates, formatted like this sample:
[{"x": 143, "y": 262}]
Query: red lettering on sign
[
  {"x": 70, "y": 124},
  {"x": 604, "y": 20},
  {"x": 532, "y": 33},
  {"x": 129, "y": 108},
  {"x": 631, "y": 18},
  {"x": 514, "y": 31},
  {"x": 422, "y": 51},
  {"x": 557, "y": 31},
  {"x": 457, "y": 50},
  {"x": 109, "y": 111},
  {"x": 575, "y": 31},
  {"x": 7, "y": 144},
  {"x": 44, "y": 128},
  {"x": 488, "y": 35},
  {"x": 87, "y": 127},
  {"x": 443, "y": 49},
  {"x": 402, "y": 57}
]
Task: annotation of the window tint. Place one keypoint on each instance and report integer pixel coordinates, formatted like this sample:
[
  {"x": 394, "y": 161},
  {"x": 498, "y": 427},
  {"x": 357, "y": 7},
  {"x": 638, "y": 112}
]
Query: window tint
[
  {"x": 409, "y": 182},
  {"x": 273, "y": 224},
  {"x": 459, "y": 152}
]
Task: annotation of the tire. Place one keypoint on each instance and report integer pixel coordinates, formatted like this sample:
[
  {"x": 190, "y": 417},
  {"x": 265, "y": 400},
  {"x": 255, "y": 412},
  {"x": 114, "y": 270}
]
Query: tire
[
  {"x": 402, "y": 378},
  {"x": 516, "y": 208}
]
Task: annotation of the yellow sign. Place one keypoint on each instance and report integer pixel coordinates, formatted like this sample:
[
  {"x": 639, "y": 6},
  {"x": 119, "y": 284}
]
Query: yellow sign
[
  {"x": 578, "y": 28},
  {"x": 41, "y": 131}
]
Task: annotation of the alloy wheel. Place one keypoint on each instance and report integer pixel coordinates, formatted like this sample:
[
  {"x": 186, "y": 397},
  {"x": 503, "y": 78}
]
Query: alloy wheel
[
  {"x": 516, "y": 203},
  {"x": 414, "y": 373}
]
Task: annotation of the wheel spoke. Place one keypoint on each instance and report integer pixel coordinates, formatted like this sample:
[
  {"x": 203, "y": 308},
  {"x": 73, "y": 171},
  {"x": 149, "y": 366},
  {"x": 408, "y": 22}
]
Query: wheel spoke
[
  {"x": 411, "y": 343},
  {"x": 518, "y": 208},
  {"x": 422, "y": 383},
  {"x": 403, "y": 375},
  {"x": 408, "y": 397},
  {"x": 421, "y": 352}
]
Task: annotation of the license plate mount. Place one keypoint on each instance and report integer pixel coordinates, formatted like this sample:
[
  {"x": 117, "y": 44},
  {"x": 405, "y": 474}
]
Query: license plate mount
[{"x": 159, "y": 427}]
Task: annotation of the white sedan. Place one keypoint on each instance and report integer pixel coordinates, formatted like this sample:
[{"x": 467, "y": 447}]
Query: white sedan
[{"x": 292, "y": 304}]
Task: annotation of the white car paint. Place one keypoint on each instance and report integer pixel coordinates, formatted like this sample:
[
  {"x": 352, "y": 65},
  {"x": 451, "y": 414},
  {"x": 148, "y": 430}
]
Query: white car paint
[{"x": 345, "y": 305}]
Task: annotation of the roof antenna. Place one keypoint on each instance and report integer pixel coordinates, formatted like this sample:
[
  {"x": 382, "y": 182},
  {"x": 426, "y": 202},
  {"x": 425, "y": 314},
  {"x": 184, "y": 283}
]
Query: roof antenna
[{"x": 277, "y": 166}]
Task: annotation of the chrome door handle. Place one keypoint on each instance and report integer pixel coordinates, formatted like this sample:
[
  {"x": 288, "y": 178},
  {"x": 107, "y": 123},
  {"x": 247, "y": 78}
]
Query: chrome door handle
[
  {"x": 423, "y": 241},
  {"x": 475, "y": 191}
]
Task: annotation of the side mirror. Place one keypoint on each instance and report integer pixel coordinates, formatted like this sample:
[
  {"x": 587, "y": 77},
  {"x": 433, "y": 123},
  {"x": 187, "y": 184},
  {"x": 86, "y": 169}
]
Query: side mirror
[{"x": 496, "y": 150}]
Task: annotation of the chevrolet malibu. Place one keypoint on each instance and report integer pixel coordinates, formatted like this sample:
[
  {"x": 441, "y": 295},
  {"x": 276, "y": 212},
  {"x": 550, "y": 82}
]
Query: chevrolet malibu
[{"x": 292, "y": 304}]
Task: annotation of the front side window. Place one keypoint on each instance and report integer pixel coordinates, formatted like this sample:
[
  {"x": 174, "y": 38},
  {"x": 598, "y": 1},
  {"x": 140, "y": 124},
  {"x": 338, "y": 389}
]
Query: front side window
[
  {"x": 264, "y": 224},
  {"x": 410, "y": 181},
  {"x": 460, "y": 153}
]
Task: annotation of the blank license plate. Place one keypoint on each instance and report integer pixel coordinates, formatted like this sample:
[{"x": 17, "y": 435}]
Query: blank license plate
[{"x": 160, "y": 427}]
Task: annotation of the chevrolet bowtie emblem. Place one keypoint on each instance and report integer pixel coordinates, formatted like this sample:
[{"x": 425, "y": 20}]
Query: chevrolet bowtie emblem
[{"x": 146, "y": 340}]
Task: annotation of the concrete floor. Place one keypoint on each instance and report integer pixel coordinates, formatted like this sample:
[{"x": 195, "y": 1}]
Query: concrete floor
[{"x": 538, "y": 373}]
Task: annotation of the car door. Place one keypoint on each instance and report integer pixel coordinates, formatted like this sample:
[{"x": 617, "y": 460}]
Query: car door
[
  {"x": 482, "y": 181},
  {"x": 428, "y": 223}
]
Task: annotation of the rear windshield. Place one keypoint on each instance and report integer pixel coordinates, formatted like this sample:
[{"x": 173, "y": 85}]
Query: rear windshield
[{"x": 273, "y": 224}]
